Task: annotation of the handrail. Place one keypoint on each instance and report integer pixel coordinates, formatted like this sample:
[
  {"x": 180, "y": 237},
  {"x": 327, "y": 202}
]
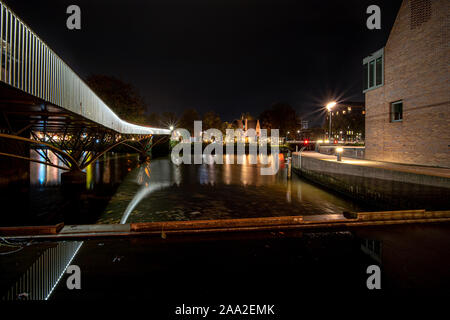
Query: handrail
[{"x": 28, "y": 64}]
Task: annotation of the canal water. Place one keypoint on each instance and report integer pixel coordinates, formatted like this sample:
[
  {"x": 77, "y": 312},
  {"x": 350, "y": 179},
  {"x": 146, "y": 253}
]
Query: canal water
[
  {"x": 270, "y": 266},
  {"x": 119, "y": 189},
  {"x": 163, "y": 191},
  {"x": 276, "y": 267}
]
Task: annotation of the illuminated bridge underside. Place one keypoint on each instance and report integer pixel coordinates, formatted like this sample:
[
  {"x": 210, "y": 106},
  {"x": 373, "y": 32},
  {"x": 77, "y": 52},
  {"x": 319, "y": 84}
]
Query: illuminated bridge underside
[
  {"x": 20, "y": 111},
  {"x": 38, "y": 87}
]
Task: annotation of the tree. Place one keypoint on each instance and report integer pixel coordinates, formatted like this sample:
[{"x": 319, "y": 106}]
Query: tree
[
  {"x": 121, "y": 97},
  {"x": 168, "y": 119},
  {"x": 153, "y": 119},
  {"x": 247, "y": 115},
  {"x": 266, "y": 121},
  {"x": 211, "y": 120},
  {"x": 226, "y": 125},
  {"x": 187, "y": 120},
  {"x": 280, "y": 116}
]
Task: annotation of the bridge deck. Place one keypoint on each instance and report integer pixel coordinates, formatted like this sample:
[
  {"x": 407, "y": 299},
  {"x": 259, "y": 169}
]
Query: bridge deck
[{"x": 29, "y": 65}]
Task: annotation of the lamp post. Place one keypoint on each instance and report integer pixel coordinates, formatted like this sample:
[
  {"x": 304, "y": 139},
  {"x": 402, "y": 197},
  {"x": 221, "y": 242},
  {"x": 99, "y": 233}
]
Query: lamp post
[{"x": 330, "y": 106}]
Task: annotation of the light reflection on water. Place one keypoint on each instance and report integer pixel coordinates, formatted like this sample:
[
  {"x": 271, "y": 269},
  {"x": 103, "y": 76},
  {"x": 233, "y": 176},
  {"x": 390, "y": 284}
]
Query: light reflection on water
[
  {"x": 43, "y": 175},
  {"x": 163, "y": 191},
  {"x": 98, "y": 172},
  {"x": 45, "y": 202}
]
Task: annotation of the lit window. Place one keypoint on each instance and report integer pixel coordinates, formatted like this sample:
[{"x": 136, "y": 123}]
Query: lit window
[
  {"x": 373, "y": 71},
  {"x": 379, "y": 71},
  {"x": 396, "y": 111}
]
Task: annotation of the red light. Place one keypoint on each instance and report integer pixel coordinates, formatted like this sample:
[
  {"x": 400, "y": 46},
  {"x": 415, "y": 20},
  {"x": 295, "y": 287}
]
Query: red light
[
  {"x": 335, "y": 141},
  {"x": 306, "y": 141}
]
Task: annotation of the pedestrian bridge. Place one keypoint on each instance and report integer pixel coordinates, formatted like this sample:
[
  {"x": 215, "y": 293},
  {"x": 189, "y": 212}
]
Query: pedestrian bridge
[{"x": 37, "y": 82}]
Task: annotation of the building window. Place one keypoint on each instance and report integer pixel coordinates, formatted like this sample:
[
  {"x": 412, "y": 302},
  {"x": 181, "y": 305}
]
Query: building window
[
  {"x": 379, "y": 71},
  {"x": 373, "y": 71},
  {"x": 366, "y": 76},
  {"x": 371, "y": 74},
  {"x": 396, "y": 111}
]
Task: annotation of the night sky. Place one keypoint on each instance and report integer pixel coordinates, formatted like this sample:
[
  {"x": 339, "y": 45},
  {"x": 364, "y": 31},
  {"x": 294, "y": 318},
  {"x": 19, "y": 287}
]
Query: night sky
[{"x": 223, "y": 55}]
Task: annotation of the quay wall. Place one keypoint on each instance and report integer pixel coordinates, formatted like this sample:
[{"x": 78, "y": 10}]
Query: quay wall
[{"x": 384, "y": 188}]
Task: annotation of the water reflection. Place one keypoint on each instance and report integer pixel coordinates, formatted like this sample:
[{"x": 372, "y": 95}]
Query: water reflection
[
  {"x": 143, "y": 179},
  {"x": 44, "y": 201},
  {"x": 43, "y": 175},
  {"x": 42, "y": 277},
  {"x": 98, "y": 172},
  {"x": 163, "y": 192}
]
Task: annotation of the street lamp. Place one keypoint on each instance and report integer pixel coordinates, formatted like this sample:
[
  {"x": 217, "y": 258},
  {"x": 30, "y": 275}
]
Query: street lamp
[
  {"x": 171, "y": 128},
  {"x": 330, "y": 106}
]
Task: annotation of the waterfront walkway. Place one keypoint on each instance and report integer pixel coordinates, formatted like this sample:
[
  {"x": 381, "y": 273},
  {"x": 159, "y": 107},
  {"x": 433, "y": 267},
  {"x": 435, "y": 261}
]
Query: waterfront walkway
[{"x": 431, "y": 171}]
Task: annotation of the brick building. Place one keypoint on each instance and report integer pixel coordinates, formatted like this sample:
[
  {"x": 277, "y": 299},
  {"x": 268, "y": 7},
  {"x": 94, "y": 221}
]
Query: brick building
[{"x": 406, "y": 86}]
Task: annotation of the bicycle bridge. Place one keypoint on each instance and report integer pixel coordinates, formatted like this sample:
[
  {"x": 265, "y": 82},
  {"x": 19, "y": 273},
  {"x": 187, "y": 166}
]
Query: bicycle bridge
[{"x": 45, "y": 105}]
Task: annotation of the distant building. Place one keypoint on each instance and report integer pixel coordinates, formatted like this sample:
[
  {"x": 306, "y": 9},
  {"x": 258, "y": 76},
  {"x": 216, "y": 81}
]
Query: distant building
[
  {"x": 304, "y": 124},
  {"x": 246, "y": 124},
  {"x": 406, "y": 85},
  {"x": 347, "y": 121},
  {"x": 312, "y": 134}
]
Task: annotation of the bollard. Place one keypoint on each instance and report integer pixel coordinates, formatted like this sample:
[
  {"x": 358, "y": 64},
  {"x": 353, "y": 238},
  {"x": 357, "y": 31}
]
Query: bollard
[
  {"x": 289, "y": 168},
  {"x": 339, "y": 151}
]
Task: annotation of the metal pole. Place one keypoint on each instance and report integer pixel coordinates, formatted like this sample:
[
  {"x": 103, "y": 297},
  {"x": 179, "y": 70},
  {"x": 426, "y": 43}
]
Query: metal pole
[
  {"x": 1, "y": 41},
  {"x": 329, "y": 131}
]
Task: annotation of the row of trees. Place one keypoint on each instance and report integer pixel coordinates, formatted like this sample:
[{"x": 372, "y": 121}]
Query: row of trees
[
  {"x": 129, "y": 105},
  {"x": 280, "y": 116},
  {"x": 121, "y": 97}
]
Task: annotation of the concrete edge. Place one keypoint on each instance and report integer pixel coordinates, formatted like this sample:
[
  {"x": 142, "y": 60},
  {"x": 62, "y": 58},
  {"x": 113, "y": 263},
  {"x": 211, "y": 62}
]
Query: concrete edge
[{"x": 240, "y": 225}]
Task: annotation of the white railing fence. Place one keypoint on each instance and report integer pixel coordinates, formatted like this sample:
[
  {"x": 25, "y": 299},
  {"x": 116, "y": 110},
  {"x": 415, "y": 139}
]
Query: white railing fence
[{"x": 28, "y": 64}]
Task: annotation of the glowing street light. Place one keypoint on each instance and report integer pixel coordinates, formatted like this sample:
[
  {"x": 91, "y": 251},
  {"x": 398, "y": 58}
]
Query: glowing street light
[
  {"x": 330, "y": 106},
  {"x": 171, "y": 128}
]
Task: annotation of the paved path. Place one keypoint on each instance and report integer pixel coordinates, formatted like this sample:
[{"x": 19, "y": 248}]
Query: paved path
[{"x": 432, "y": 171}]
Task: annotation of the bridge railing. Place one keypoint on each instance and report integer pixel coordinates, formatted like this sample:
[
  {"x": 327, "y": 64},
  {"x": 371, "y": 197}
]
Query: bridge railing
[{"x": 28, "y": 64}]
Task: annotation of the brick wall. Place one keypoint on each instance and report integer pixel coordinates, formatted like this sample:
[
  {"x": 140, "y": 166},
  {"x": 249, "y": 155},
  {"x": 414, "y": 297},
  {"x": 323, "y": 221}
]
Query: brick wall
[{"x": 416, "y": 70}]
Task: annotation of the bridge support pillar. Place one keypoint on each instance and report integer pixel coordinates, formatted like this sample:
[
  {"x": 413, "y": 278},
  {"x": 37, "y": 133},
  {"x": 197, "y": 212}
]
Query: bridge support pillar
[
  {"x": 73, "y": 178},
  {"x": 146, "y": 150}
]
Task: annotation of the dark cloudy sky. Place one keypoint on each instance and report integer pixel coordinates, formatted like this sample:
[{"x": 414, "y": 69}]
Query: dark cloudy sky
[{"x": 230, "y": 56}]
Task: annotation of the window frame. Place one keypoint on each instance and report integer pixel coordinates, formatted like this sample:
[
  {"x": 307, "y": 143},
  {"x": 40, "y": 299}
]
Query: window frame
[
  {"x": 367, "y": 64},
  {"x": 391, "y": 111}
]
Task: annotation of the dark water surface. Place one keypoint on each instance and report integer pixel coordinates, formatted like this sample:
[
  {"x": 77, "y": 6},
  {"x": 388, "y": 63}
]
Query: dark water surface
[
  {"x": 119, "y": 189},
  {"x": 163, "y": 191},
  {"x": 44, "y": 201},
  {"x": 267, "y": 267}
]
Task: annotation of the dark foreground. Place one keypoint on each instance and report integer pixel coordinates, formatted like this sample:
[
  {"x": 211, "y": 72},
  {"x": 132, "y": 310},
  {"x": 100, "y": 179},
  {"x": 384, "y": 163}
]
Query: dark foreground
[{"x": 258, "y": 268}]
